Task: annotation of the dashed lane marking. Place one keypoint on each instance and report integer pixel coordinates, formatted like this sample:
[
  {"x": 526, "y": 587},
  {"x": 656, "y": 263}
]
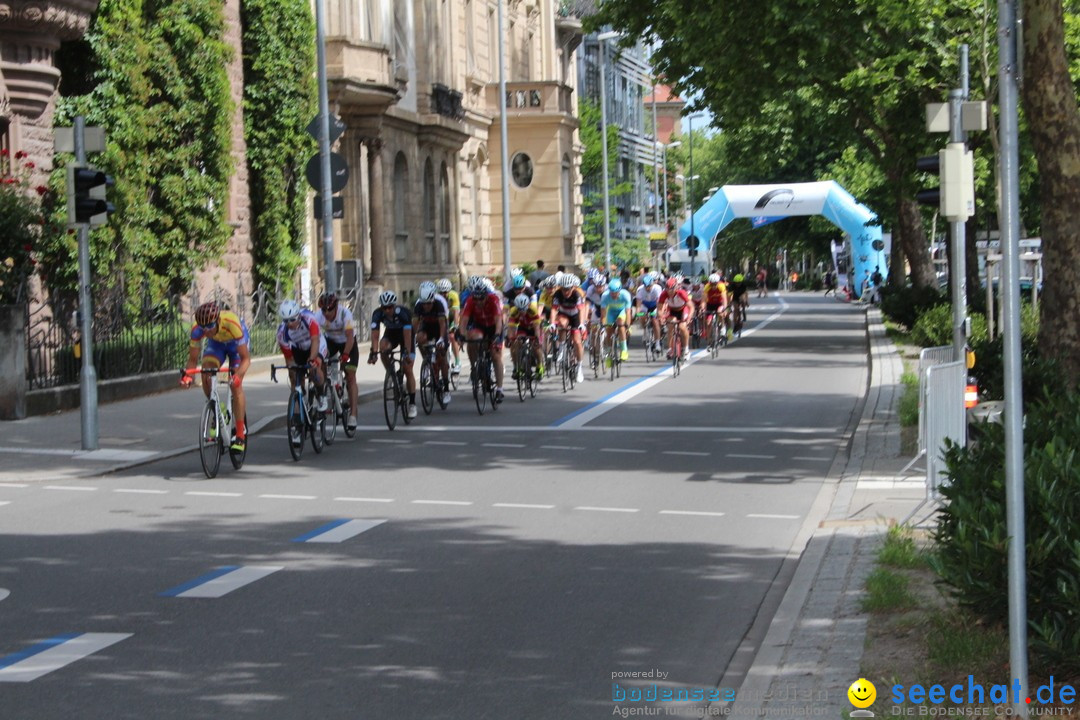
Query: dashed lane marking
[
  {"x": 686, "y": 452},
  {"x": 504, "y": 445},
  {"x": 692, "y": 512},
  {"x": 5, "y": 502},
  {"x": 290, "y": 497},
  {"x": 81, "y": 488},
  {"x": 622, "y": 450},
  {"x": 205, "y": 493},
  {"x": 354, "y": 499},
  {"x": 751, "y": 457},
  {"x": 53, "y": 654},
  {"x": 338, "y": 531},
  {"x": 561, "y": 447},
  {"x": 524, "y": 506},
  {"x": 444, "y": 442},
  {"x": 135, "y": 491},
  {"x": 4, "y": 593},
  {"x": 812, "y": 459},
  {"x": 13, "y": 485},
  {"x": 590, "y": 508},
  {"x": 388, "y": 441},
  {"x": 222, "y": 581},
  {"x": 441, "y": 502},
  {"x": 772, "y": 517}
]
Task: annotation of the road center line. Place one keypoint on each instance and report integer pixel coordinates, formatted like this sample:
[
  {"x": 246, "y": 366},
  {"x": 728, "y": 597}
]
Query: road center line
[
  {"x": 691, "y": 512},
  {"x": 69, "y": 487},
  {"x": 504, "y": 445},
  {"x": 607, "y": 509},
  {"x": 560, "y": 447},
  {"x": 772, "y": 517},
  {"x": 622, "y": 450},
  {"x": 441, "y": 502},
  {"x": 289, "y": 497},
  {"x": 685, "y": 452},
  {"x": 444, "y": 442},
  {"x": 524, "y": 506},
  {"x": 354, "y": 499},
  {"x": 388, "y": 441},
  {"x": 751, "y": 457},
  {"x": 203, "y": 493},
  {"x": 134, "y": 491}
]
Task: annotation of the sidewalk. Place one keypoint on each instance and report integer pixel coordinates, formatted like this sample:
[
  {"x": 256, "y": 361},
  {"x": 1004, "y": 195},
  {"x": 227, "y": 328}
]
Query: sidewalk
[
  {"x": 148, "y": 428},
  {"x": 814, "y": 645}
]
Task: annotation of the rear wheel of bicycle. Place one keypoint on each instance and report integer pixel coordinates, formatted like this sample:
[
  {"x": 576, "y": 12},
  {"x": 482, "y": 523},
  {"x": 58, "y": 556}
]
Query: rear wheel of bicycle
[
  {"x": 523, "y": 366},
  {"x": 210, "y": 442},
  {"x": 318, "y": 422},
  {"x": 330, "y": 418},
  {"x": 427, "y": 387},
  {"x": 479, "y": 394},
  {"x": 238, "y": 456},
  {"x": 390, "y": 400},
  {"x": 295, "y": 422}
]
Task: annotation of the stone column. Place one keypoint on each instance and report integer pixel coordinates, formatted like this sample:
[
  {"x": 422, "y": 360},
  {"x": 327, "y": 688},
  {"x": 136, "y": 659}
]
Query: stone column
[{"x": 375, "y": 214}]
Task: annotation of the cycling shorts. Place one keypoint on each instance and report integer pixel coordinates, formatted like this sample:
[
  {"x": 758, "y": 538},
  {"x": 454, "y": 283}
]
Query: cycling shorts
[
  {"x": 219, "y": 351},
  {"x": 612, "y": 315},
  {"x": 336, "y": 348}
]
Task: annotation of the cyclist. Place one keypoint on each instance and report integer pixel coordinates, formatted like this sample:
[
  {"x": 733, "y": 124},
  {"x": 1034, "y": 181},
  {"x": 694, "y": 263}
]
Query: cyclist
[
  {"x": 399, "y": 333},
  {"x": 680, "y": 308},
  {"x": 453, "y": 302},
  {"x": 616, "y": 304},
  {"x": 430, "y": 312},
  {"x": 338, "y": 326},
  {"x": 302, "y": 342},
  {"x": 571, "y": 314},
  {"x": 226, "y": 337},
  {"x": 715, "y": 293},
  {"x": 648, "y": 297},
  {"x": 482, "y": 318},
  {"x": 518, "y": 285},
  {"x": 525, "y": 322},
  {"x": 740, "y": 296}
]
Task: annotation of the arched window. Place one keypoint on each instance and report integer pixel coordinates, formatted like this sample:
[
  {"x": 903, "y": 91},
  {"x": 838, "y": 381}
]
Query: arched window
[
  {"x": 444, "y": 216},
  {"x": 566, "y": 188},
  {"x": 401, "y": 215},
  {"x": 429, "y": 213}
]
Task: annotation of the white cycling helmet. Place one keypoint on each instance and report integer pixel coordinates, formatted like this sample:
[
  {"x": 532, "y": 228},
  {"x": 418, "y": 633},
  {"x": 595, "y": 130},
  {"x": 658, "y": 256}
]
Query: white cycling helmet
[
  {"x": 388, "y": 297},
  {"x": 475, "y": 281},
  {"x": 516, "y": 271},
  {"x": 575, "y": 281},
  {"x": 556, "y": 279},
  {"x": 289, "y": 310},
  {"x": 522, "y": 301},
  {"x": 567, "y": 280},
  {"x": 549, "y": 281},
  {"x": 444, "y": 285},
  {"x": 714, "y": 278},
  {"x": 427, "y": 291}
]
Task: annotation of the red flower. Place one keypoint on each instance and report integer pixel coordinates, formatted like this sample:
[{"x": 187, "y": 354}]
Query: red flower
[
  {"x": 29, "y": 165},
  {"x": 9, "y": 181},
  {"x": 41, "y": 189},
  {"x": 27, "y": 247},
  {"x": 20, "y": 155},
  {"x": 4, "y": 152}
]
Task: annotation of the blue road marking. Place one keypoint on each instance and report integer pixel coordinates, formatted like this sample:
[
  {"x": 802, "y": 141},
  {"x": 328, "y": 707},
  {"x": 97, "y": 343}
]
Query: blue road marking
[
  {"x": 199, "y": 581},
  {"x": 319, "y": 531},
  {"x": 35, "y": 649}
]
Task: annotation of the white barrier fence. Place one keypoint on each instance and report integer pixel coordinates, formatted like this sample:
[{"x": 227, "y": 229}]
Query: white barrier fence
[
  {"x": 928, "y": 358},
  {"x": 946, "y": 418}
]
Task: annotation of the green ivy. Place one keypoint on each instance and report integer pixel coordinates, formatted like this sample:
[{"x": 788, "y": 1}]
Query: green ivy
[{"x": 279, "y": 102}]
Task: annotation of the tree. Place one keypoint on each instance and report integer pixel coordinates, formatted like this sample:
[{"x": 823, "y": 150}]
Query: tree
[
  {"x": 1049, "y": 96},
  {"x": 592, "y": 173}
]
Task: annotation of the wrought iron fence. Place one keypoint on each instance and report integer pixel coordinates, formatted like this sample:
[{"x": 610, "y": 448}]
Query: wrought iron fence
[{"x": 151, "y": 336}]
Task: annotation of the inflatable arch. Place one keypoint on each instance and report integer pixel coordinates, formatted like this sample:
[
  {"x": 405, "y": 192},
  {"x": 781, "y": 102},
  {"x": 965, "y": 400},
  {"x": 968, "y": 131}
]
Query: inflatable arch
[{"x": 774, "y": 202}]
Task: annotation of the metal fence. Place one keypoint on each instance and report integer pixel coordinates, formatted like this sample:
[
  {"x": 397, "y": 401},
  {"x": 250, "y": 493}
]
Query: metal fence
[
  {"x": 946, "y": 417},
  {"x": 928, "y": 358},
  {"x": 147, "y": 336}
]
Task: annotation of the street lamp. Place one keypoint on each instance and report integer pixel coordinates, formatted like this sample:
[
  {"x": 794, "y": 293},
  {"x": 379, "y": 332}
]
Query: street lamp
[
  {"x": 690, "y": 132},
  {"x": 504, "y": 149},
  {"x": 602, "y": 39},
  {"x": 668, "y": 145}
]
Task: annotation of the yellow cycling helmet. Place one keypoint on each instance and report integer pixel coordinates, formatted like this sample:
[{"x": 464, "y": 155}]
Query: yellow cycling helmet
[{"x": 739, "y": 278}]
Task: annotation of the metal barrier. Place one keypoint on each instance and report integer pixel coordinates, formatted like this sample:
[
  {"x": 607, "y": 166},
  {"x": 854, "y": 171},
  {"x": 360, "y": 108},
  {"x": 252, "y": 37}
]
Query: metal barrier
[
  {"x": 946, "y": 417},
  {"x": 928, "y": 358}
]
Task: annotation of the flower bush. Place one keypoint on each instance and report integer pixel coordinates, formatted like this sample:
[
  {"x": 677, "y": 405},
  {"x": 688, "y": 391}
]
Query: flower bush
[{"x": 23, "y": 223}]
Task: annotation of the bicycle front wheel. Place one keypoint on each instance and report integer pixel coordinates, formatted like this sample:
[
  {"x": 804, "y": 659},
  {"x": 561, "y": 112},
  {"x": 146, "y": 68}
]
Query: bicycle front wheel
[
  {"x": 346, "y": 412},
  {"x": 210, "y": 443},
  {"x": 390, "y": 401},
  {"x": 478, "y": 385},
  {"x": 330, "y": 417},
  {"x": 427, "y": 388},
  {"x": 238, "y": 456},
  {"x": 316, "y": 423},
  {"x": 295, "y": 426}
]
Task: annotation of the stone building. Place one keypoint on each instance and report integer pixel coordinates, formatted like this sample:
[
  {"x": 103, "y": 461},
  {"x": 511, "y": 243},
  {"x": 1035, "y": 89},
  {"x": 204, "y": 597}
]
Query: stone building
[{"x": 416, "y": 84}]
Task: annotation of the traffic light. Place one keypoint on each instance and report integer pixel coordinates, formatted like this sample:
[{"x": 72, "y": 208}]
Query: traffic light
[
  {"x": 86, "y": 201},
  {"x": 956, "y": 196},
  {"x": 692, "y": 244}
]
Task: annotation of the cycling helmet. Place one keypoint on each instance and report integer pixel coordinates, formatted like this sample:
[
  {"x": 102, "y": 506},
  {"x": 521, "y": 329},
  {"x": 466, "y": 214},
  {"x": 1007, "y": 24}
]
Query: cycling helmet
[
  {"x": 517, "y": 272},
  {"x": 388, "y": 297},
  {"x": 615, "y": 285},
  {"x": 475, "y": 281},
  {"x": 427, "y": 291},
  {"x": 519, "y": 281},
  {"x": 289, "y": 310},
  {"x": 575, "y": 281},
  {"x": 567, "y": 280},
  {"x": 207, "y": 314},
  {"x": 444, "y": 285},
  {"x": 522, "y": 301},
  {"x": 739, "y": 277},
  {"x": 549, "y": 281},
  {"x": 714, "y": 278},
  {"x": 328, "y": 301},
  {"x": 595, "y": 276},
  {"x": 489, "y": 285},
  {"x": 648, "y": 280},
  {"x": 672, "y": 283}
]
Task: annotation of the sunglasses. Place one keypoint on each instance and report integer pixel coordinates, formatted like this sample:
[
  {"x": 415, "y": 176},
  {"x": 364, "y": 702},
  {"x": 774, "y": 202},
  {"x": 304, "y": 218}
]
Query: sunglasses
[{"x": 209, "y": 328}]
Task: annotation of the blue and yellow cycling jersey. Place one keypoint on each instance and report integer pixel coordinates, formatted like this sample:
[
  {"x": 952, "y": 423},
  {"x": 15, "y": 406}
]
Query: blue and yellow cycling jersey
[{"x": 229, "y": 329}]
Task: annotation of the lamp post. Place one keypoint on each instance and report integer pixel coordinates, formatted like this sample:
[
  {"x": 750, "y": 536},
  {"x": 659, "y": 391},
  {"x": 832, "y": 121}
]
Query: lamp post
[
  {"x": 504, "y": 149},
  {"x": 690, "y": 132},
  {"x": 602, "y": 39},
  {"x": 666, "y": 146}
]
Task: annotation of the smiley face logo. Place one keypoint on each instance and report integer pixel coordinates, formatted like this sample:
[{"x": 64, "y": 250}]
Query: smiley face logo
[{"x": 862, "y": 693}]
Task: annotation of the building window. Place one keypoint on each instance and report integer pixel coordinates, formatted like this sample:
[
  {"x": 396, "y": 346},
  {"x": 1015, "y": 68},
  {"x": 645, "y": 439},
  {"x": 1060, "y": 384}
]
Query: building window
[
  {"x": 470, "y": 39},
  {"x": 429, "y": 213},
  {"x": 401, "y": 195},
  {"x": 567, "y": 190},
  {"x": 444, "y": 216},
  {"x": 521, "y": 169},
  {"x": 493, "y": 43}
]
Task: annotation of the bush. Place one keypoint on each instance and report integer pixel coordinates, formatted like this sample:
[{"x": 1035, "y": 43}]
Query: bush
[
  {"x": 934, "y": 328},
  {"x": 972, "y": 539},
  {"x": 1036, "y": 372},
  {"x": 905, "y": 305}
]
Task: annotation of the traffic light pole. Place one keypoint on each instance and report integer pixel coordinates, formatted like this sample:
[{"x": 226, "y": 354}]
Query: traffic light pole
[
  {"x": 958, "y": 234},
  {"x": 324, "y": 150},
  {"x": 88, "y": 398}
]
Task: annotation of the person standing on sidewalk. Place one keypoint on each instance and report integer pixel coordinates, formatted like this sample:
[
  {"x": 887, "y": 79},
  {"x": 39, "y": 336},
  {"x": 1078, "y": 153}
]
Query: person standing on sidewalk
[{"x": 226, "y": 337}]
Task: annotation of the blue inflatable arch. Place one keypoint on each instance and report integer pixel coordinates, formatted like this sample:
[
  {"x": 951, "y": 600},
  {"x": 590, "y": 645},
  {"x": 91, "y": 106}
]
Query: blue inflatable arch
[{"x": 827, "y": 199}]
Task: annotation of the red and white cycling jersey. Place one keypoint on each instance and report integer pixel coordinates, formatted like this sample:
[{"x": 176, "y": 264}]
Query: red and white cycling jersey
[
  {"x": 301, "y": 336},
  {"x": 676, "y": 301},
  {"x": 483, "y": 313}
]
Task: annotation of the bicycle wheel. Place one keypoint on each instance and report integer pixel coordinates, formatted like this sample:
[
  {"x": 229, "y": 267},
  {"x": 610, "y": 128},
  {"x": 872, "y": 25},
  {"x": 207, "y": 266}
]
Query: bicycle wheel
[
  {"x": 390, "y": 400},
  {"x": 210, "y": 442},
  {"x": 613, "y": 348},
  {"x": 427, "y": 387},
  {"x": 530, "y": 370},
  {"x": 403, "y": 398},
  {"x": 489, "y": 388},
  {"x": 346, "y": 411},
  {"x": 330, "y": 418},
  {"x": 479, "y": 394},
  {"x": 597, "y": 354},
  {"x": 316, "y": 422},
  {"x": 295, "y": 425},
  {"x": 564, "y": 369},
  {"x": 238, "y": 457}
]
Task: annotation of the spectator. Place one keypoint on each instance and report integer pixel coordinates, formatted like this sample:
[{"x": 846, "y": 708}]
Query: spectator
[
  {"x": 538, "y": 275},
  {"x": 829, "y": 283}
]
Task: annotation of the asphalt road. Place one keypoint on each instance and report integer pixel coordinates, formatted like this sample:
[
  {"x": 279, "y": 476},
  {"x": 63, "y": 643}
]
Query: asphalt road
[{"x": 531, "y": 563}]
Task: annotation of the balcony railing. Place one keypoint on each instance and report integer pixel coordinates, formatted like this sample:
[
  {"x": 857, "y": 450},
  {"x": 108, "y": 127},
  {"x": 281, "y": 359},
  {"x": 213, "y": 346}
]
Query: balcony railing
[{"x": 538, "y": 97}]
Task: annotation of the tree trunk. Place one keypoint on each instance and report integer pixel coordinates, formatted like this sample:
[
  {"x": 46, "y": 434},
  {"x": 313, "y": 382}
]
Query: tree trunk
[
  {"x": 1050, "y": 101},
  {"x": 912, "y": 238}
]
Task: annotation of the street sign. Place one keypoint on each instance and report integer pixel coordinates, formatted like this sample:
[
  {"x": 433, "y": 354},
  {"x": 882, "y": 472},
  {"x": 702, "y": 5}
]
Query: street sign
[
  {"x": 64, "y": 139},
  {"x": 338, "y": 207},
  {"x": 336, "y": 128},
  {"x": 339, "y": 172},
  {"x": 658, "y": 245}
]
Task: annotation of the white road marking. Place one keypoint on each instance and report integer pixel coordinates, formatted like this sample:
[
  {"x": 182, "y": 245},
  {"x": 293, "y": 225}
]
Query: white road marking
[
  {"x": 560, "y": 447},
  {"x": 374, "y": 500},
  {"x": 751, "y": 457},
  {"x": 5, "y": 502},
  {"x": 69, "y": 487},
  {"x": 289, "y": 497},
  {"x": 201, "y": 493},
  {"x": 339, "y": 531},
  {"x": 388, "y": 441},
  {"x": 773, "y": 517},
  {"x": 222, "y": 581},
  {"x": 607, "y": 509},
  {"x": 686, "y": 452},
  {"x": 444, "y": 442},
  {"x": 54, "y": 654},
  {"x": 14, "y": 485},
  {"x": 504, "y": 445},
  {"x": 532, "y": 429},
  {"x": 622, "y": 450},
  {"x": 134, "y": 491},
  {"x": 524, "y": 506},
  {"x": 811, "y": 459},
  {"x": 691, "y": 512},
  {"x": 441, "y": 502},
  {"x": 4, "y": 593}
]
